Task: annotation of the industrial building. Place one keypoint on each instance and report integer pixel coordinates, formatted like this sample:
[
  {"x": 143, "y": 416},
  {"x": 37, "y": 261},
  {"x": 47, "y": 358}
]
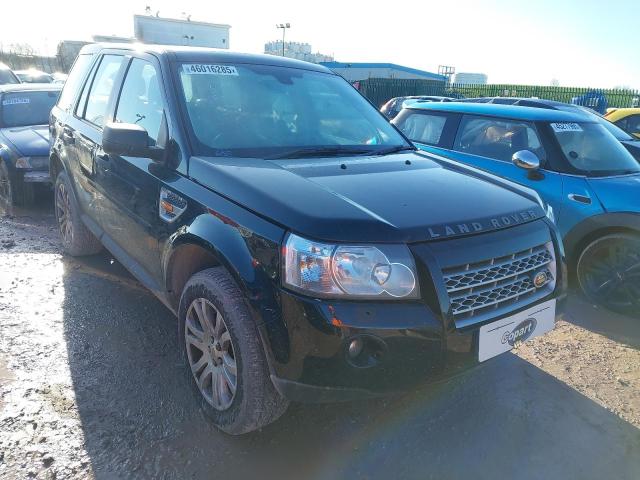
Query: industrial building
[
  {"x": 471, "y": 78},
  {"x": 354, "y": 72}
]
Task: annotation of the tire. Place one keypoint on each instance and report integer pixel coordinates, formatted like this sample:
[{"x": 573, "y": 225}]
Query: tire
[
  {"x": 77, "y": 239},
  {"x": 6, "y": 186},
  {"x": 212, "y": 297},
  {"x": 608, "y": 272}
]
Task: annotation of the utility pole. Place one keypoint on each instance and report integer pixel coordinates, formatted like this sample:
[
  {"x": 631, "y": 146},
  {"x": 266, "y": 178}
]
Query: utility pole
[{"x": 284, "y": 27}]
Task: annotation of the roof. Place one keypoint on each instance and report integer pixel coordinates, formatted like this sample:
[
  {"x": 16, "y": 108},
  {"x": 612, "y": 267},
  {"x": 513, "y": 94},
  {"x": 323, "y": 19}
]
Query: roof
[
  {"x": 393, "y": 66},
  {"x": 204, "y": 54},
  {"x": 26, "y": 87},
  {"x": 504, "y": 111}
]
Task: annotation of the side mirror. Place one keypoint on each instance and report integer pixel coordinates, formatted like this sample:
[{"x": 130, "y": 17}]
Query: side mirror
[
  {"x": 526, "y": 160},
  {"x": 129, "y": 139}
]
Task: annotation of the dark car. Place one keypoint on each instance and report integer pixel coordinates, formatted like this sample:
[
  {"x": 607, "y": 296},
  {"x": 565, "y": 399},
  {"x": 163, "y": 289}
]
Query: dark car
[
  {"x": 34, "y": 76},
  {"x": 393, "y": 106},
  {"x": 630, "y": 142},
  {"x": 308, "y": 250},
  {"x": 7, "y": 77},
  {"x": 576, "y": 165},
  {"x": 24, "y": 139}
]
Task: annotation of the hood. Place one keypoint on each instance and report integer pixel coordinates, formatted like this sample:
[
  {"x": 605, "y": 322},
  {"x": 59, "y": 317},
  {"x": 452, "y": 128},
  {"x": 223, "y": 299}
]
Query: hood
[
  {"x": 27, "y": 141},
  {"x": 619, "y": 193},
  {"x": 396, "y": 198}
]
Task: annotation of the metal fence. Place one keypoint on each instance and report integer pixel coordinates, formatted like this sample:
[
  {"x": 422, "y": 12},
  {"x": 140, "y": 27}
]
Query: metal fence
[
  {"x": 23, "y": 62},
  {"x": 379, "y": 90}
]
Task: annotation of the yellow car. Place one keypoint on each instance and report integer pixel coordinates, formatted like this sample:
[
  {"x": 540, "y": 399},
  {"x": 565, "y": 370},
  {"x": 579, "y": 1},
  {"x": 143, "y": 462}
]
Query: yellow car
[{"x": 626, "y": 118}]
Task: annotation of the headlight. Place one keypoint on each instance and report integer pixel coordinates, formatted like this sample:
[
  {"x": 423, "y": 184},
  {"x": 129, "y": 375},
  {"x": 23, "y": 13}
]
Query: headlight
[
  {"x": 351, "y": 271},
  {"x": 23, "y": 162}
]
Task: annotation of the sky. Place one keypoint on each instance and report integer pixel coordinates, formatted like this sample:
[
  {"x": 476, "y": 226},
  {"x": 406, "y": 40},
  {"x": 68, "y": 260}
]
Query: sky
[{"x": 577, "y": 42}]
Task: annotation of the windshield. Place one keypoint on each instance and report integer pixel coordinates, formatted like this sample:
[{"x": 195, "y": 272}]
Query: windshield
[
  {"x": 591, "y": 149},
  {"x": 20, "y": 109},
  {"x": 7, "y": 77},
  {"x": 263, "y": 111}
]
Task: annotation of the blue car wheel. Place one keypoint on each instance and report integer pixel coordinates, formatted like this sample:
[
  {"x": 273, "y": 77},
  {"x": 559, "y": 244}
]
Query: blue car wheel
[{"x": 609, "y": 272}]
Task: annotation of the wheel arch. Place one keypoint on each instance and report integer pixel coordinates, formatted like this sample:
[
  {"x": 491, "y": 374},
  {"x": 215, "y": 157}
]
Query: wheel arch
[
  {"x": 251, "y": 259},
  {"x": 585, "y": 232}
]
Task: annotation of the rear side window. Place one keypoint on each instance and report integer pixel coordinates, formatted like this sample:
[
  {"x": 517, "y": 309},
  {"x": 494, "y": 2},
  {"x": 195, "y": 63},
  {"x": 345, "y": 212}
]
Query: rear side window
[
  {"x": 74, "y": 80},
  {"x": 101, "y": 88},
  {"x": 140, "y": 100},
  {"x": 632, "y": 124},
  {"x": 497, "y": 138},
  {"x": 422, "y": 127}
]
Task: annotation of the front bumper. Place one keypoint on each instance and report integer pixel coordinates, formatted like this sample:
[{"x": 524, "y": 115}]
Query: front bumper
[{"x": 414, "y": 349}]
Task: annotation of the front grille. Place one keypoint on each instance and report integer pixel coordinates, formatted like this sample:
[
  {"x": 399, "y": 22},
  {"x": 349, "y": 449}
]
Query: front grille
[{"x": 477, "y": 290}]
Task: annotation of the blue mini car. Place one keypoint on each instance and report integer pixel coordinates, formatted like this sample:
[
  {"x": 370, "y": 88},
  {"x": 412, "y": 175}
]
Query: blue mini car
[{"x": 579, "y": 168}]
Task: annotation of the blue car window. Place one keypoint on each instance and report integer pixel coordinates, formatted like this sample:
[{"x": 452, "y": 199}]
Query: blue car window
[
  {"x": 140, "y": 100},
  {"x": 497, "y": 138},
  {"x": 423, "y": 127}
]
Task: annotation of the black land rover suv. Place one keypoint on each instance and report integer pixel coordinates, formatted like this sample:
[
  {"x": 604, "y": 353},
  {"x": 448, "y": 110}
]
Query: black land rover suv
[{"x": 309, "y": 252}]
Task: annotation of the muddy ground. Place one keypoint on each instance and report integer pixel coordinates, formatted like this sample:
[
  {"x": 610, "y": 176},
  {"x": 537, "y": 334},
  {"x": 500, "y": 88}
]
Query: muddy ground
[{"x": 91, "y": 386}]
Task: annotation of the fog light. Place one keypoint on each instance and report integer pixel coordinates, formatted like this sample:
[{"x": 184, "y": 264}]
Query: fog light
[{"x": 355, "y": 347}]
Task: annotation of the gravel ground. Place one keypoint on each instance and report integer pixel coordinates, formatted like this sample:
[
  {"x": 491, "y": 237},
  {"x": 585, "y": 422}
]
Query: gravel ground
[{"x": 91, "y": 386}]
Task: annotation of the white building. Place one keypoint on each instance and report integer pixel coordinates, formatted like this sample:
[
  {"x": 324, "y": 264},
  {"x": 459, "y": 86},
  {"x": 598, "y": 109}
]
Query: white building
[
  {"x": 170, "y": 31},
  {"x": 471, "y": 78},
  {"x": 297, "y": 50}
]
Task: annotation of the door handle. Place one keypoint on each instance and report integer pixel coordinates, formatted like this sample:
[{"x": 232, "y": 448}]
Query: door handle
[
  {"x": 104, "y": 157},
  {"x": 576, "y": 197}
]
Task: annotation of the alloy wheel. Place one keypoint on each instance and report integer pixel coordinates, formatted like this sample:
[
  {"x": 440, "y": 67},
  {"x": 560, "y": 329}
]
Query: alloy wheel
[
  {"x": 609, "y": 273},
  {"x": 211, "y": 354},
  {"x": 63, "y": 213}
]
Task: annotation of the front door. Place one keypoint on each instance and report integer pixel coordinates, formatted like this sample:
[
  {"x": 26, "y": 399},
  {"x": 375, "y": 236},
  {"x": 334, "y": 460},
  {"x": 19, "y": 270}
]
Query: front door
[{"x": 132, "y": 185}]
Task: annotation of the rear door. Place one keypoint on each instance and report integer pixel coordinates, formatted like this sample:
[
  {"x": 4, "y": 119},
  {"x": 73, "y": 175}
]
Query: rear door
[{"x": 86, "y": 129}]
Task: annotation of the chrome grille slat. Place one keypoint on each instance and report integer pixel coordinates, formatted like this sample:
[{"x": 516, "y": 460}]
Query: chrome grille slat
[
  {"x": 463, "y": 279},
  {"x": 478, "y": 289}
]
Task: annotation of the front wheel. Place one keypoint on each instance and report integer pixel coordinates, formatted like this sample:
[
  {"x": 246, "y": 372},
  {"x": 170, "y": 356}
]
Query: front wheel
[
  {"x": 608, "y": 272},
  {"x": 224, "y": 355}
]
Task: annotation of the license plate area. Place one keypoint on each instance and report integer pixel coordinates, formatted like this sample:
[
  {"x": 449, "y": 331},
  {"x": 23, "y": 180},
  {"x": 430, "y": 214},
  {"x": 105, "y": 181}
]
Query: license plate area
[{"x": 502, "y": 335}]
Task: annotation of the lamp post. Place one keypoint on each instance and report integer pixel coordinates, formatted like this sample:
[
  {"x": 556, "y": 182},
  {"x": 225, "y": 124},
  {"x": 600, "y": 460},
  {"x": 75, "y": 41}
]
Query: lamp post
[{"x": 284, "y": 27}]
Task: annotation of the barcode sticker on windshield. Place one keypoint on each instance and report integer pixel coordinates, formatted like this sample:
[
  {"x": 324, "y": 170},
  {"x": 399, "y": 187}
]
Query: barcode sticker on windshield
[
  {"x": 208, "y": 69},
  {"x": 16, "y": 101},
  {"x": 566, "y": 127}
]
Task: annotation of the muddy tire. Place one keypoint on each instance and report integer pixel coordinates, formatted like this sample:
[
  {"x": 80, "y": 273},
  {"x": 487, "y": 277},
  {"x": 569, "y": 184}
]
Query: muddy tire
[
  {"x": 77, "y": 239},
  {"x": 224, "y": 356}
]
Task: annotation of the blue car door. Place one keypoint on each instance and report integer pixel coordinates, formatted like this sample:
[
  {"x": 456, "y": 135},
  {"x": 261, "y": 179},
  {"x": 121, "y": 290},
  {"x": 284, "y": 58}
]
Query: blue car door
[{"x": 489, "y": 143}]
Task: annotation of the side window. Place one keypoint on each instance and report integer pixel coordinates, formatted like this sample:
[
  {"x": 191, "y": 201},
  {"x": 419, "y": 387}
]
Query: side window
[
  {"x": 101, "y": 89},
  {"x": 140, "y": 99},
  {"x": 74, "y": 80},
  {"x": 423, "y": 127},
  {"x": 497, "y": 138},
  {"x": 82, "y": 103}
]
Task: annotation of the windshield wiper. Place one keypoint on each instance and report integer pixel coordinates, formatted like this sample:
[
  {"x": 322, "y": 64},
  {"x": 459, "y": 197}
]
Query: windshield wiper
[
  {"x": 320, "y": 152},
  {"x": 394, "y": 149}
]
